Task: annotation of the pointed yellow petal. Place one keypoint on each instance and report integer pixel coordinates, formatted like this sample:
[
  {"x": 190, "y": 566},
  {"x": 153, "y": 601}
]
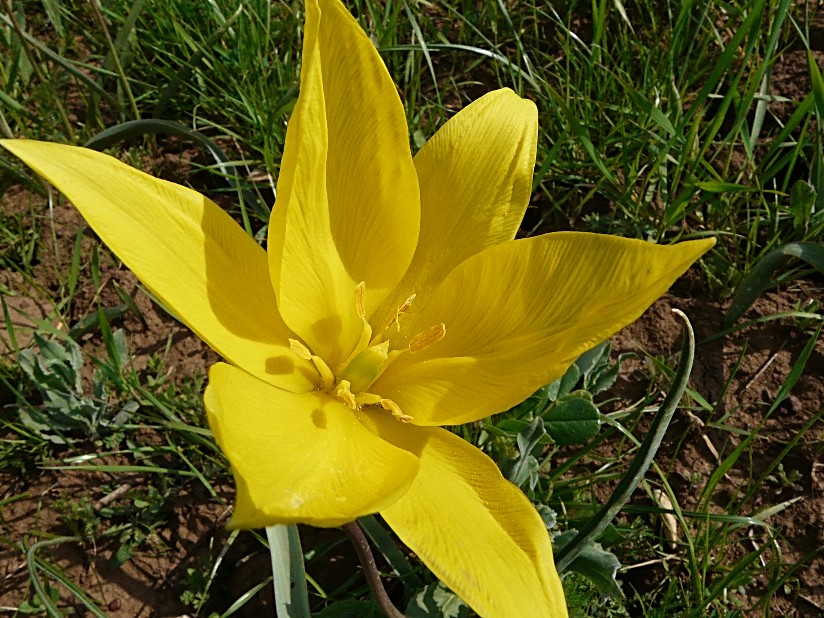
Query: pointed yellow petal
[
  {"x": 475, "y": 176},
  {"x": 300, "y": 458},
  {"x": 475, "y": 530},
  {"x": 518, "y": 314},
  {"x": 185, "y": 249},
  {"x": 347, "y": 206}
]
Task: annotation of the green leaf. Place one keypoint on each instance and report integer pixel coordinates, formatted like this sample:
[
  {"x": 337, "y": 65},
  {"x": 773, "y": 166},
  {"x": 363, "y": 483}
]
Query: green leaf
[
  {"x": 717, "y": 186},
  {"x": 594, "y": 562},
  {"x": 526, "y": 467},
  {"x": 569, "y": 380},
  {"x": 122, "y": 555},
  {"x": 762, "y": 275},
  {"x": 817, "y": 83},
  {"x": 574, "y": 421},
  {"x": 802, "y": 200},
  {"x": 591, "y": 359},
  {"x": 436, "y": 601}
]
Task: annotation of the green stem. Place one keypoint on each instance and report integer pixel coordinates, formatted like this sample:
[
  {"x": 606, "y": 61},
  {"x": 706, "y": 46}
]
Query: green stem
[
  {"x": 288, "y": 574},
  {"x": 566, "y": 555}
]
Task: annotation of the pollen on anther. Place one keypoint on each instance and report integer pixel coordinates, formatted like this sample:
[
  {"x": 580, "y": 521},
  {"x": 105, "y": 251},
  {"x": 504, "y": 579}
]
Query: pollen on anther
[
  {"x": 395, "y": 409},
  {"x": 427, "y": 338},
  {"x": 360, "y": 304},
  {"x": 301, "y": 350},
  {"x": 344, "y": 392}
]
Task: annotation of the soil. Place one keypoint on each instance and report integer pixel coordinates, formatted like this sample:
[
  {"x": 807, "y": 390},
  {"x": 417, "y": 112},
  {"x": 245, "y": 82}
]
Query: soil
[{"x": 742, "y": 375}]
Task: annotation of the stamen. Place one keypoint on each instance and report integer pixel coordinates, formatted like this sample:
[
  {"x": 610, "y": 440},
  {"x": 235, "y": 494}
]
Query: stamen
[
  {"x": 326, "y": 375},
  {"x": 427, "y": 338},
  {"x": 301, "y": 350},
  {"x": 395, "y": 320},
  {"x": 360, "y": 294},
  {"x": 404, "y": 308},
  {"x": 366, "y": 334},
  {"x": 395, "y": 409},
  {"x": 367, "y": 399},
  {"x": 345, "y": 394}
]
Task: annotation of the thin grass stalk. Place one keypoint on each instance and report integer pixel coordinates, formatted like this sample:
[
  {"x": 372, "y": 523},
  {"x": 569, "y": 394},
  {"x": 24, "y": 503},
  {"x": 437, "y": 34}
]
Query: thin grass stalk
[
  {"x": 118, "y": 67},
  {"x": 64, "y": 118}
]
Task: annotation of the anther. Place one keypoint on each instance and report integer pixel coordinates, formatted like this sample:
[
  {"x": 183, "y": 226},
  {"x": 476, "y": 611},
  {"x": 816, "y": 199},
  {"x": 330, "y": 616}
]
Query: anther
[
  {"x": 301, "y": 350},
  {"x": 326, "y": 375},
  {"x": 360, "y": 293},
  {"x": 367, "y": 399},
  {"x": 427, "y": 338},
  {"x": 344, "y": 392},
  {"x": 395, "y": 409}
]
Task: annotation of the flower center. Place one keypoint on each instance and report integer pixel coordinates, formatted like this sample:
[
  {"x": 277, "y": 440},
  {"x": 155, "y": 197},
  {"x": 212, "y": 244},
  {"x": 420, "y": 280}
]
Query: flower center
[{"x": 350, "y": 380}]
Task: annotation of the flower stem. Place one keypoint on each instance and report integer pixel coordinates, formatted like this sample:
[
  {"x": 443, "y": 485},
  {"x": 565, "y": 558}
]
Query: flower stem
[{"x": 367, "y": 560}]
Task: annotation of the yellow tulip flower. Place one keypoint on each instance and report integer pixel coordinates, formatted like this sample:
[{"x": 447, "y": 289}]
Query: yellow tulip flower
[{"x": 392, "y": 300}]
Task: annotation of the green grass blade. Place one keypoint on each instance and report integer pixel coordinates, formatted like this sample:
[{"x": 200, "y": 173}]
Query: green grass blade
[
  {"x": 62, "y": 62},
  {"x": 35, "y": 564},
  {"x": 289, "y": 575},
  {"x": 762, "y": 275},
  {"x": 186, "y": 70}
]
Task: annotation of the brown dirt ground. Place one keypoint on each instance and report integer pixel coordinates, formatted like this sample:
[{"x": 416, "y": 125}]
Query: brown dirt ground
[{"x": 693, "y": 449}]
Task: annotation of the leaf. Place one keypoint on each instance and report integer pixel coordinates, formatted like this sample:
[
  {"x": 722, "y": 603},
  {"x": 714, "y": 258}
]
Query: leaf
[
  {"x": 569, "y": 380},
  {"x": 530, "y": 436},
  {"x": 589, "y": 360},
  {"x": 436, "y": 601},
  {"x": 549, "y": 517},
  {"x": 718, "y": 186},
  {"x": 573, "y": 421},
  {"x": 563, "y": 385},
  {"x": 607, "y": 376},
  {"x": 594, "y": 562},
  {"x": 802, "y": 200},
  {"x": 347, "y": 609},
  {"x": 526, "y": 467},
  {"x": 519, "y": 471},
  {"x": 762, "y": 275}
]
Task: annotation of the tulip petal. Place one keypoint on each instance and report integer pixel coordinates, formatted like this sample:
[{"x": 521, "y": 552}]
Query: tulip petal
[
  {"x": 185, "y": 249},
  {"x": 518, "y": 314},
  {"x": 475, "y": 176},
  {"x": 347, "y": 208},
  {"x": 475, "y": 530},
  {"x": 300, "y": 458}
]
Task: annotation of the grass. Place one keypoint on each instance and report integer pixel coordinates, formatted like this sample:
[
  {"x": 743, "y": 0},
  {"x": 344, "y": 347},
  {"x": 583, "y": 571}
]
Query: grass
[{"x": 657, "y": 121}]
